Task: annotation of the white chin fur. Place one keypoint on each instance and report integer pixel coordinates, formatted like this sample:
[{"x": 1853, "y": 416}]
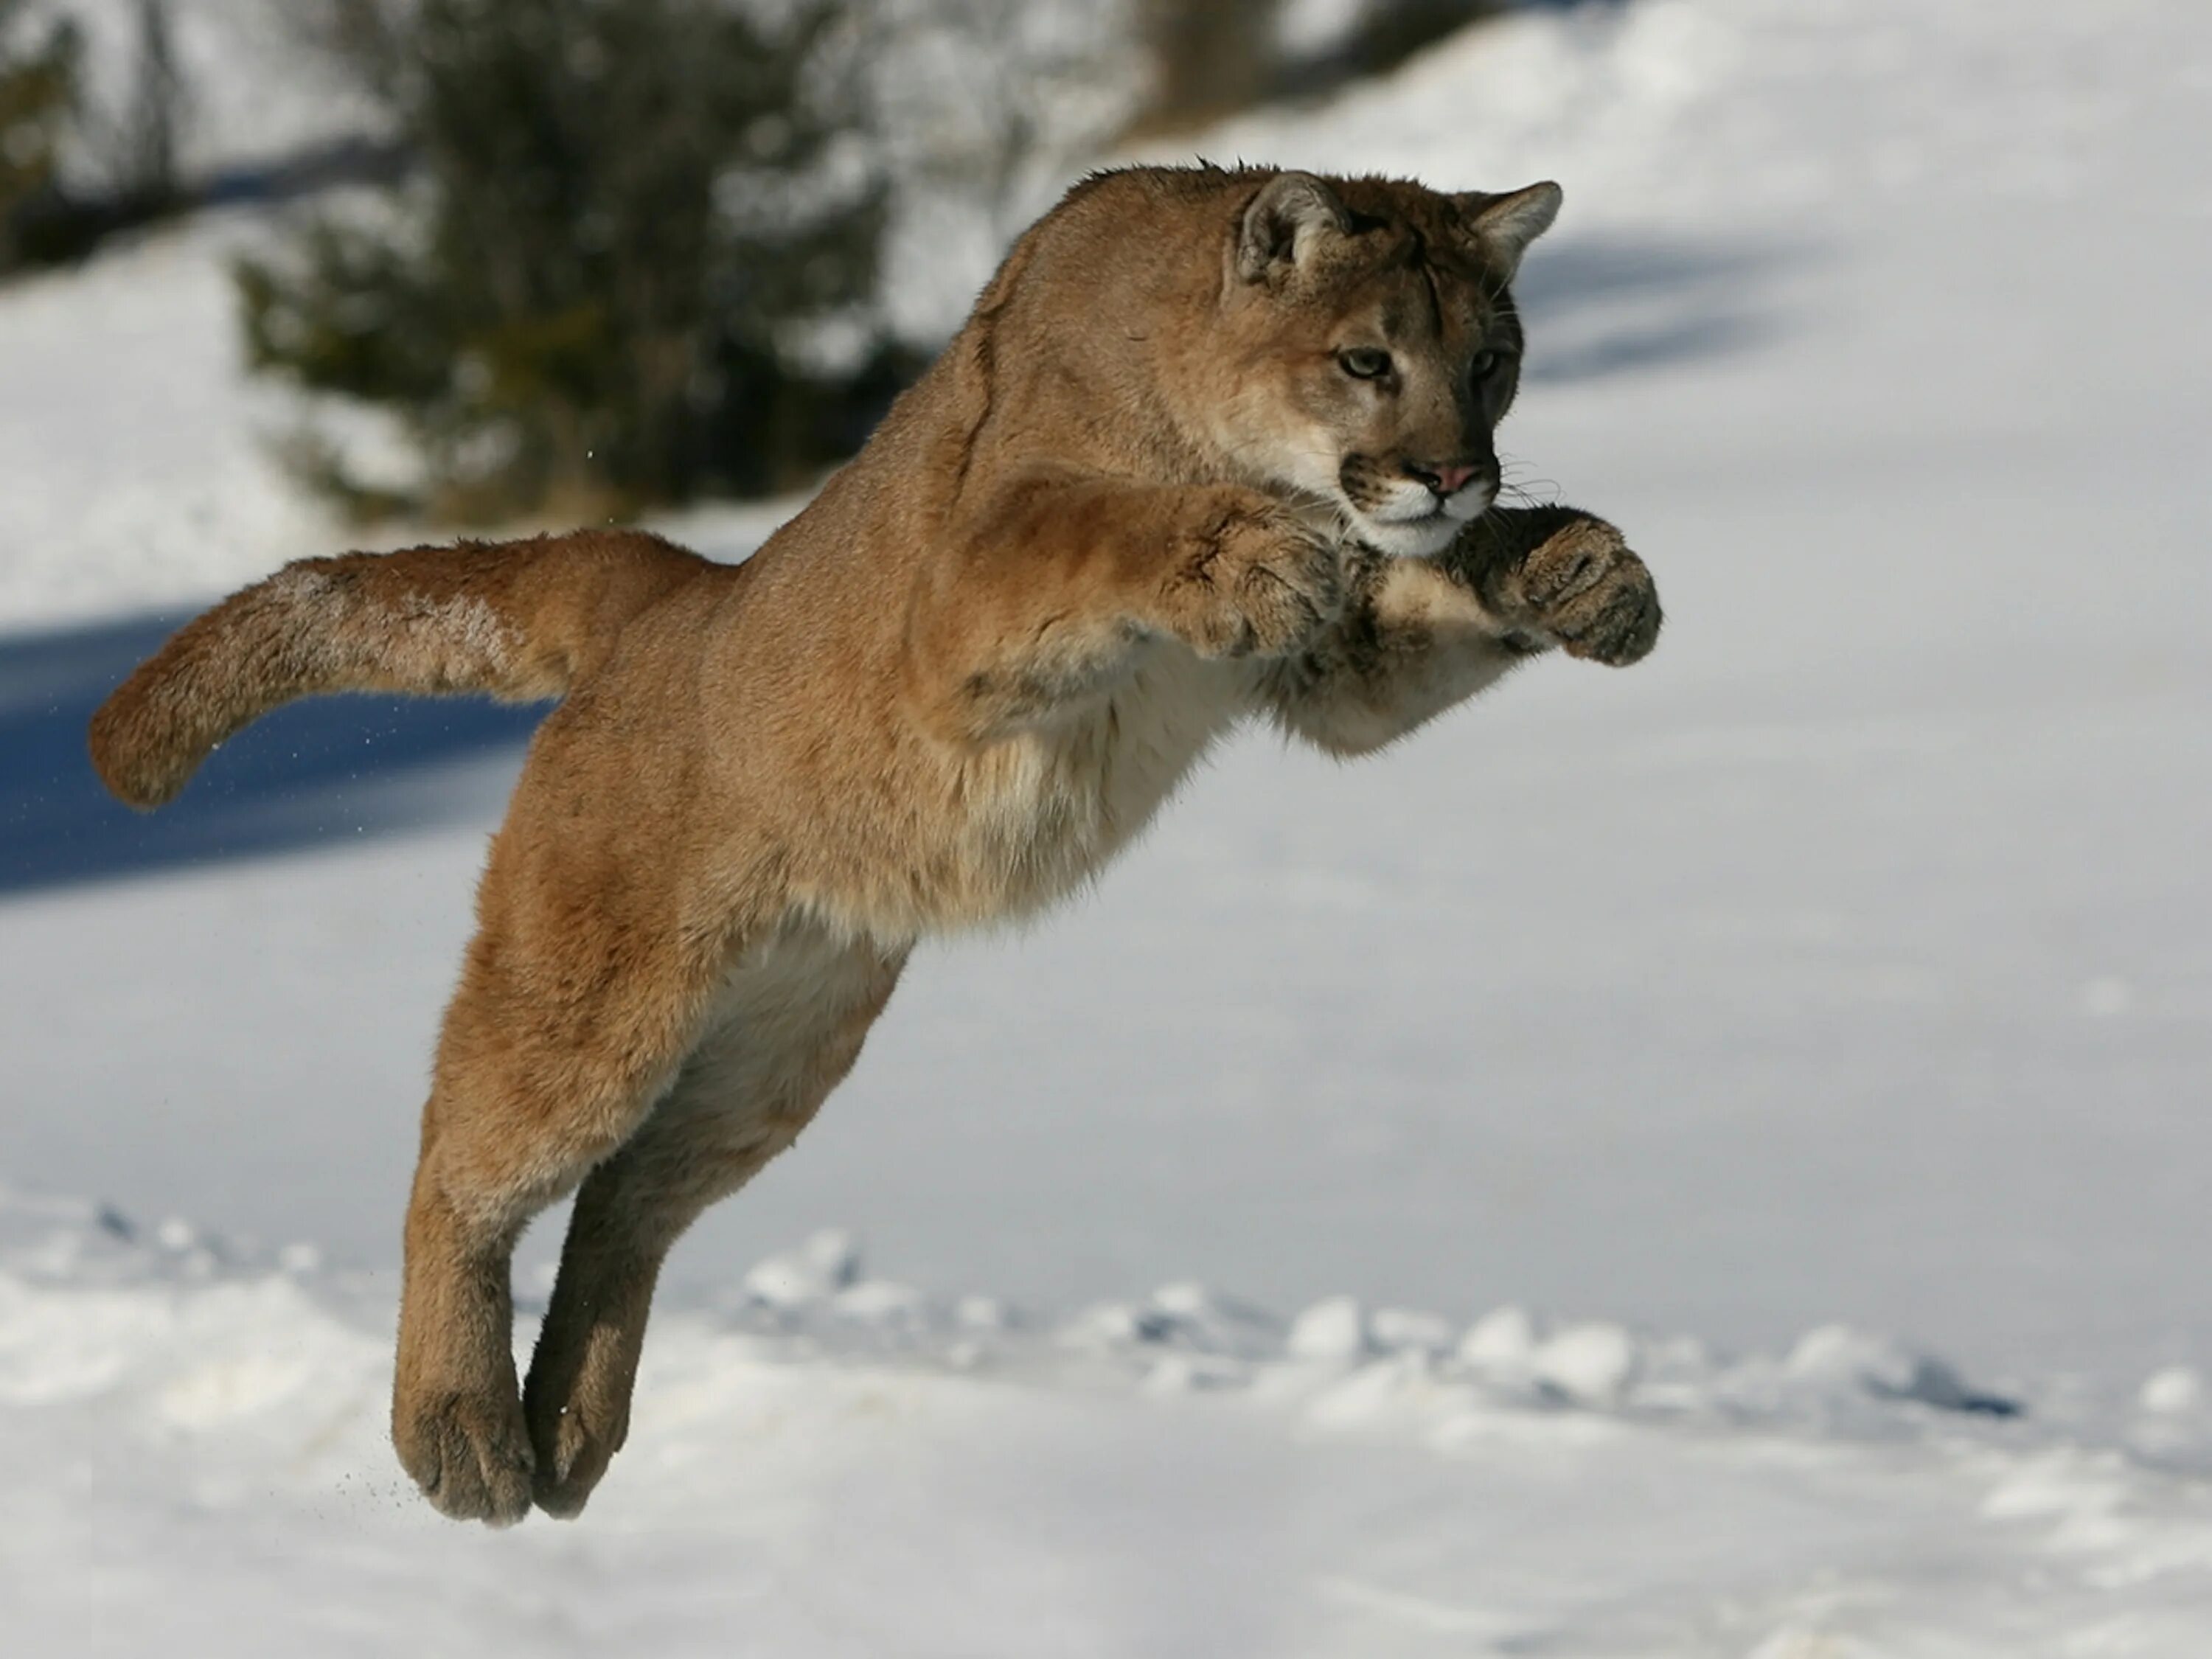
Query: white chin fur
[
  {"x": 1471, "y": 504},
  {"x": 1424, "y": 538}
]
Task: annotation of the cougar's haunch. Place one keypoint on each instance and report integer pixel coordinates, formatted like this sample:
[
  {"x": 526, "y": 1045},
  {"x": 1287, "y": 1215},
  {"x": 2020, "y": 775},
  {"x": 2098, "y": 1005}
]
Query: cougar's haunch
[{"x": 1215, "y": 445}]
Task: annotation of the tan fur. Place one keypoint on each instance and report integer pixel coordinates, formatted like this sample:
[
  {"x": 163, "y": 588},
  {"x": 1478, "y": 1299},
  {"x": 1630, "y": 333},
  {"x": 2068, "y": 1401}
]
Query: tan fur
[
  {"x": 1144, "y": 494},
  {"x": 520, "y": 620}
]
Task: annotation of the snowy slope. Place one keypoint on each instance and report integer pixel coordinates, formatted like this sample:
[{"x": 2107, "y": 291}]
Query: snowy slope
[{"x": 1845, "y": 963}]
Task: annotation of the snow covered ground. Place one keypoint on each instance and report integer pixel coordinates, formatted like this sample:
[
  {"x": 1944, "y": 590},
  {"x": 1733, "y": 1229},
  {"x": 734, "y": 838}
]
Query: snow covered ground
[
  {"x": 1845, "y": 966},
  {"x": 836, "y": 1465}
]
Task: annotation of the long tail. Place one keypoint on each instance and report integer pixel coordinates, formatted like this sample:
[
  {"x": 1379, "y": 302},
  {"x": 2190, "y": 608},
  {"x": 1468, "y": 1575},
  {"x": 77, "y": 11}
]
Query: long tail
[{"x": 520, "y": 620}]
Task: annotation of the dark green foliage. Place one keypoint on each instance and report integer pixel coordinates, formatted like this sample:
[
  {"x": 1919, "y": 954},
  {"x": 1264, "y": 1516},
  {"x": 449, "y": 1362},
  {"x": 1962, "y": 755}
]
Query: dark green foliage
[
  {"x": 37, "y": 97},
  {"x": 145, "y": 165},
  {"x": 123, "y": 162},
  {"x": 585, "y": 297}
]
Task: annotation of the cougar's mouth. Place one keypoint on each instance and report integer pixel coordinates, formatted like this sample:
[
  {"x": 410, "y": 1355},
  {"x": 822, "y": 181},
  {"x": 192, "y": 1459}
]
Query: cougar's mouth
[{"x": 1402, "y": 516}]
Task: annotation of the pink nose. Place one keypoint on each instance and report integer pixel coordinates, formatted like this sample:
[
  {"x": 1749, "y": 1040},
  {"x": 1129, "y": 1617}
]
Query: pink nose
[{"x": 1444, "y": 480}]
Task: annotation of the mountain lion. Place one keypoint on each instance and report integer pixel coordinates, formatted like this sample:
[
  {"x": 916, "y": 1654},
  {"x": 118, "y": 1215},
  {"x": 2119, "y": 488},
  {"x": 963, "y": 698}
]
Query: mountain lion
[{"x": 1214, "y": 444}]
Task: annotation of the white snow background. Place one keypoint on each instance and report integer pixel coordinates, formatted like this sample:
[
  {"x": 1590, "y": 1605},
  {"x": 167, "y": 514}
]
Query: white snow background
[{"x": 1835, "y": 987}]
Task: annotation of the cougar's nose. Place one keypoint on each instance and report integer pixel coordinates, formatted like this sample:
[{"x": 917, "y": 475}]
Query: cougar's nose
[{"x": 1447, "y": 479}]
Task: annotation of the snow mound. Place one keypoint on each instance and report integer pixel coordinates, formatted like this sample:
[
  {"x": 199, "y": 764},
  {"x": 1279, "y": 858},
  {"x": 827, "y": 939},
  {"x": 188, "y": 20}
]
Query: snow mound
[
  {"x": 198, "y": 1427},
  {"x": 80, "y": 1282}
]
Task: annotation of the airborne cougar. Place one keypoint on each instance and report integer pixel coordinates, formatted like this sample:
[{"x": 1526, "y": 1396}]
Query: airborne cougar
[{"x": 1213, "y": 445}]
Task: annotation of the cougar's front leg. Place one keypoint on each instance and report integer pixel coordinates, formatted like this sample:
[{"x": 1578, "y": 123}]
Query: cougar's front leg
[
  {"x": 1418, "y": 636},
  {"x": 1553, "y": 576},
  {"x": 1412, "y": 642},
  {"x": 1061, "y": 578}
]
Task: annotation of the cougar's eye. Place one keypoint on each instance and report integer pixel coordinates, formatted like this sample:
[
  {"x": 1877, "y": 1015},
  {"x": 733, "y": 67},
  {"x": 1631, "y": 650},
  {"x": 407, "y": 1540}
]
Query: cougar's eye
[
  {"x": 1363, "y": 362},
  {"x": 1483, "y": 366}
]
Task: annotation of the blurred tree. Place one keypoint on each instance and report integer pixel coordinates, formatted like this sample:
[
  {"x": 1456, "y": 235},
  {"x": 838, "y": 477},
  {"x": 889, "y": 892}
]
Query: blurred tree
[
  {"x": 145, "y": 164},
  {"x": 37, "y": 97},
  {"x": 1213, "y": 58},
  {"x": 71, "y": 172},
  {"x": 1385, "y": 34},
  {"x": 626, "y": 267},
  {"x": 981, "y": 111},
  {"x": 998, "y": 102}
]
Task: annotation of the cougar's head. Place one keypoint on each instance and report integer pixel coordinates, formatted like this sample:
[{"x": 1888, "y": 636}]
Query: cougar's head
[{"x": 1374, "y": 348}]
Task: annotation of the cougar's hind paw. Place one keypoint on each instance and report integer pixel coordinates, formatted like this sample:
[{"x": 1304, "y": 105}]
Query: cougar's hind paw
[{"x": 469, "y": 1454}]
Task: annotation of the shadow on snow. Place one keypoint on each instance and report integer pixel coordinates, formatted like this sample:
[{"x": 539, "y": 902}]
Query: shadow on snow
[
  {"x": 315, "y": 772},
  {"x": 1600, "y": 306}
]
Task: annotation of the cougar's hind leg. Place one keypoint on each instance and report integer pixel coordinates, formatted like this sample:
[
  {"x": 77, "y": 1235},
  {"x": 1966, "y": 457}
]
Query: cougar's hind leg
[
  {"x": 786, "y": 1026},
  {"x": 568, "y": 1023}
]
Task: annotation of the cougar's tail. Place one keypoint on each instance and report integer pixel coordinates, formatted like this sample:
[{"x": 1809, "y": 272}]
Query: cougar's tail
[{"x": 520, "y": 620}]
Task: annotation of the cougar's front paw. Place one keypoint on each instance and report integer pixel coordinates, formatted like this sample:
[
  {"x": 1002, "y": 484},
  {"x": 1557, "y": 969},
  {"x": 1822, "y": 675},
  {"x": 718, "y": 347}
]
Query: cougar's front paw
[
  {"x": 468, "y": 1452},
  {"x": 1585, "y": 590},
  {"x": 1261, "y": 582}
]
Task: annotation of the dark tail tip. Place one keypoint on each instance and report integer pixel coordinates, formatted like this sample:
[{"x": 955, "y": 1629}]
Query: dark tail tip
[{"x": 139, "y": 766}]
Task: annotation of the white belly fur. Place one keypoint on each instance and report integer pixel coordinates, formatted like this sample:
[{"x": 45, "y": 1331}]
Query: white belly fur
[{"x": 1055, "y": 804}]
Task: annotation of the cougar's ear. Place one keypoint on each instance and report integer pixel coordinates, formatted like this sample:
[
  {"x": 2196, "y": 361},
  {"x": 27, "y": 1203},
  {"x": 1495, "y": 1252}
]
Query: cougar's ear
[
  {"x": 1285, "y": 221},
  {"x": 1505, "y": 225}
]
